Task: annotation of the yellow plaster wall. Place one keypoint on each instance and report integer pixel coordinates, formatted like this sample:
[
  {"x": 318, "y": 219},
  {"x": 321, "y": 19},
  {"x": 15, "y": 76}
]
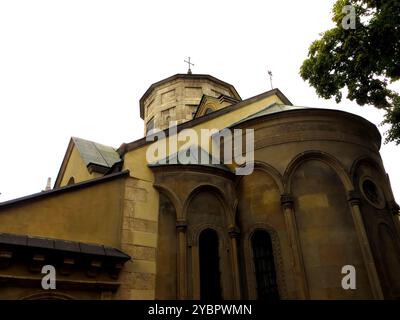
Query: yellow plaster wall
[
  {"x": 92, "y": 214},
  {"x": 141, "y": 204},
  {"x": 136, "y": 162}
]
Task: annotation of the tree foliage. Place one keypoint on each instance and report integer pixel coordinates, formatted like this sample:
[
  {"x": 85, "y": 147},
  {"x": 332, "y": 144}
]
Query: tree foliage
[{"x": 365, "y": 60}]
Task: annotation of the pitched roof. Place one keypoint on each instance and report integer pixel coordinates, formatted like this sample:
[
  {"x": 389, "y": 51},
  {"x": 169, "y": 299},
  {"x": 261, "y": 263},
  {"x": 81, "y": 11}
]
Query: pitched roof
[
  {"x": 62, "y": 245},
  {"x": 126, "y": 147},
  {"x": 270, "y": 109},
  {"x": 96, "y": 153},
  {"x": 64, "y": 189}
]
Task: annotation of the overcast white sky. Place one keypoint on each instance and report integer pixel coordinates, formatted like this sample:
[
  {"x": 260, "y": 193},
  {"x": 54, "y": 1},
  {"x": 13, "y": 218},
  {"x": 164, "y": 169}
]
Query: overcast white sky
[{"x": 79, "y": 68}]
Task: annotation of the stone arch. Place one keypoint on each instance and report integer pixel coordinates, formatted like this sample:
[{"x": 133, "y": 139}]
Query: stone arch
[
  {"x": 367, "y": 160},
  {"x": 171, "y": 195},
  {"x": 208, "y": 108},
  {"x": 326, "y": 158},
  {"x": 48, "y": 296},
  {"x": 267, "y": 168},
  {"x": 278, "y": 259},
  {"x": 218, "y": 193},
  {"x": 207, "y": 208},
  {"x": 326, "y": 228},
  {"x": 259, "y": 208},
  {"x": 197, "y": 230}
]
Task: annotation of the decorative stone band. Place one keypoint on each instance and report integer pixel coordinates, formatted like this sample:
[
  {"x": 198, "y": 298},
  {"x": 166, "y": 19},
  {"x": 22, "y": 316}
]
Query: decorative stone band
[
  {"x": 181, "y": 225},
  {"x": 287, "y": 201},
  {"x": 353, "y": 197}
]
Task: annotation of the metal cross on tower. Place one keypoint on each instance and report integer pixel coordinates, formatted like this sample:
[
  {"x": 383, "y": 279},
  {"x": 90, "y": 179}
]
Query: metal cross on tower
[
  {"x": 189, "y": 64},
  {"x": 270, "y": 78}
]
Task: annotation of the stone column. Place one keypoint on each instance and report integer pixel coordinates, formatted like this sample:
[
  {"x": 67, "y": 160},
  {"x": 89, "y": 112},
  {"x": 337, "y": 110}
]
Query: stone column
[
  {"x": 181, "y": 227},
  {"x": 354, "y": 200},
  {"x": 234, "y": 236},
  {"x": 287, "y": 202}
]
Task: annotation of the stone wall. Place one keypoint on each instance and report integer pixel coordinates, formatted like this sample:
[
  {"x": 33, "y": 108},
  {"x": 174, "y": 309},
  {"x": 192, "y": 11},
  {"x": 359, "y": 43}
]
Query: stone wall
[
  {"x": 139, "y": 240},
  {"x": 178, "y": 100}
]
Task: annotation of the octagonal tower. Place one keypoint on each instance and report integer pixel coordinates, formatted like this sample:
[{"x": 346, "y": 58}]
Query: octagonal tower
[{"x": 177, "y": 98}]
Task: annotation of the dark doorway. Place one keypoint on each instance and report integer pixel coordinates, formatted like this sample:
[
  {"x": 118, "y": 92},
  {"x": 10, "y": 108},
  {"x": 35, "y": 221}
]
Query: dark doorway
[
  {"x": 210, "y": 277},
  {"x": 267, "y": 288}
]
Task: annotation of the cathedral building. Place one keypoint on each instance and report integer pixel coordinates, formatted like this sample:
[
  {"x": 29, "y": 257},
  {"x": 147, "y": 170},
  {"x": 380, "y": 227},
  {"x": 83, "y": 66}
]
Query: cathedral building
[{"x": 315, "y": 218}]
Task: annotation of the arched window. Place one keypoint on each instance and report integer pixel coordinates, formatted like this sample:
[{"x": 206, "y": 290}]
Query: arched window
[
  {"x": 264, "y": 266},
  {"x": 71, "y": 181},
  {"x": 208, "y": 110},
  {"x": 210, "y": 277}
]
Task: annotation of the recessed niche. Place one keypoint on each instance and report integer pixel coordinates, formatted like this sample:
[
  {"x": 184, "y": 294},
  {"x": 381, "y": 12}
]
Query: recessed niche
[{"x": 372, "y": 193}]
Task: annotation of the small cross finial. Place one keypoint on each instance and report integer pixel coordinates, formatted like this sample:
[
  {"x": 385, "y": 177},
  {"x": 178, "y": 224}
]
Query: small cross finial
[
  {"x": 270, "y": 78},
  {"x": 189, "y": 64}
]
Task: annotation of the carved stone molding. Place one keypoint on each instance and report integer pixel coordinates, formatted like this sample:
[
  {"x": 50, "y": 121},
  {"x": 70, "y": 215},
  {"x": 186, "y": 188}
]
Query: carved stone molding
[
  {"x": 32, "y": 253},
  {"x": 287, "y": 201},
  {"x": 353, "y": 197},
  {"x": 67, "y": 266},
  {"x": 181, "y": 225},
  {"x": 94, "y": 268},
  {"x": 277, "y": 253},
  {"x": 37, "y": 262},
  {"x": 234, "y": 232}
]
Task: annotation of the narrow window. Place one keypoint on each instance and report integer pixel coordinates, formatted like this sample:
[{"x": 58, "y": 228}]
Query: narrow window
[
  {"x": 210, "y": 278},
  {"x": 267, "y": 288},
  {"x": 150, "y": 125},
  {"x": 71, "y": 181}
]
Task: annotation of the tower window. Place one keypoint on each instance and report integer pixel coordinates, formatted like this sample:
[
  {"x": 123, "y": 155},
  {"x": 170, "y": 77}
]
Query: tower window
[
  {"x": 208, "y": 110},
  {"x": 192, "y": 109},
  {"x": 210, "y": 277},
  {"x": 150, "y": 125},
  {"x": 267, "y": 288},
  {"x": 371, "y": 191}
]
